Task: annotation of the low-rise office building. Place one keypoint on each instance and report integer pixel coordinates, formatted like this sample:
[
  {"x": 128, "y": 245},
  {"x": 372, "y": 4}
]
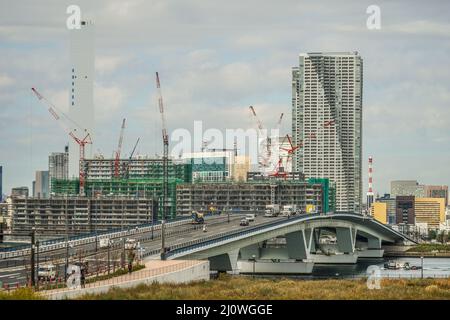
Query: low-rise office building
[
  {"x": 379, "y": 212},
  {"x": 430, "y": 211}
]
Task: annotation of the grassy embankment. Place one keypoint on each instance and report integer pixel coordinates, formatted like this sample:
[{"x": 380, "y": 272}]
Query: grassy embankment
[
  {"x": 227, "y": 287},
  {"x": 430, "y": 247}
]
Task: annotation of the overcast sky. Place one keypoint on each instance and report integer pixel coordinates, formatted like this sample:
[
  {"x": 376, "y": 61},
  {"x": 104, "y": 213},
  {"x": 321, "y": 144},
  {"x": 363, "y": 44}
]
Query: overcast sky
[{"x": 215, "y": 59}]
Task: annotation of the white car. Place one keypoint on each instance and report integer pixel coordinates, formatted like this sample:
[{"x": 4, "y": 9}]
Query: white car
[
  {"x": 47, "y": 272},
  {"x": 250, "y": 217}
]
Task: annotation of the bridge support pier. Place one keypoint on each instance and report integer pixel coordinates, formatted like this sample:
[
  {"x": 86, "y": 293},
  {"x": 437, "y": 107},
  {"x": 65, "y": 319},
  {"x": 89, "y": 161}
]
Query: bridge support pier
[
  {"x": 346, "y": 238},
  {"x": 373, "y": 249},
  {"x": 297, "y": 245},
  {"x": 250, "y": 251},
  {"x": 374, "y": 243},
  {"x": 224, "y": 262}
]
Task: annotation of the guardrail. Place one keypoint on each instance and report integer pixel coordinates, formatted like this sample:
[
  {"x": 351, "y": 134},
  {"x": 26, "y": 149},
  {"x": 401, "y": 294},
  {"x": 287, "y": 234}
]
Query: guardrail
[
  {"x": 203, "y": 242},
  {"x": 137, "y": 275},
  {"x": 60, "y": 243}
]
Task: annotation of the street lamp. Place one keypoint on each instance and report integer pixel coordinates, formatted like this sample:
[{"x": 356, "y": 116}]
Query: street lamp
[
  {"x": 254, "y": 262},
  {"x": 421, "y": 266},
  {"x": 37, "y": 262},
  {"x": 110, "y": 242},
  {"x": 33, "y": 246}
]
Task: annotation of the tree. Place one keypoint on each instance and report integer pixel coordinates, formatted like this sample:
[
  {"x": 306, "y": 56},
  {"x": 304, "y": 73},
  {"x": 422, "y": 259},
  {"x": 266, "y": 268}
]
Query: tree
[{"x": 432, "y": 234}]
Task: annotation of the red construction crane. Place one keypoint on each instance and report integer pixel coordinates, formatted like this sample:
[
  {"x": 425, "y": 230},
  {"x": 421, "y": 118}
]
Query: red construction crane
[
  {"x": 119, "y": 149},
  {"x": 290, "y": 151},
  {"x": 82, "y": 142}
]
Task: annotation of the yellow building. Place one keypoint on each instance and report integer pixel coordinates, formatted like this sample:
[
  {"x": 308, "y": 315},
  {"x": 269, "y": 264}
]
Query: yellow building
[
  {"x": 430, "y": 211},
  {"x": 240, "y": 168},
  {"x": 379, "y": 212}
]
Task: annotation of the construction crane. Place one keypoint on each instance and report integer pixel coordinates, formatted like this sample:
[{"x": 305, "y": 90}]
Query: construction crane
[
  {"x": 119, "y": 149},
  {"x": 267, "y": 152},
  {"x": 266, "y": 156},
  {"x": 127, "y": 175},
  {"x": 279, "y": 120},
  {"x": 165, "y": 139},
  {"x": 82, "y": 142},
  {"x": 279, "y": 169},
  {"x": 134, "y": 149}
]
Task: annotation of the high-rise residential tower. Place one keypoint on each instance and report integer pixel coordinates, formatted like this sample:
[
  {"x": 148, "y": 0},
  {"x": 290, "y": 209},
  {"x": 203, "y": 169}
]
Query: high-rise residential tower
[
  {"x": 58, "y": 166},
  {"x": 41, "y": 189},
  {"x": 327, "y": 122},
  {"x": 81, "y": 94}
]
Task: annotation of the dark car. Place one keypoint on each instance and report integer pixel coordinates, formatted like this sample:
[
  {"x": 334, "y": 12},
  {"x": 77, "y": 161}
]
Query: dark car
[{"x": 244, "y": 222}]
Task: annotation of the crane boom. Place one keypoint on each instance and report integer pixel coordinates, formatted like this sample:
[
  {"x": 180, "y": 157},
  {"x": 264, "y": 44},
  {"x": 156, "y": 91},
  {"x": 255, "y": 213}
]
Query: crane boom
[
  {"x": 268, "y": 142},
  {"x": 161, "y": 111},
  {"x": 119, "y": 149},
  {"x": 62, "y": 119},
  {"x": 165, "y": 138},
  {"x": 80, "y": 140},
  {"x": 134, "y": 149},
  {"x": 279, "y": 120},
  {"x": 260, "y": 126}
]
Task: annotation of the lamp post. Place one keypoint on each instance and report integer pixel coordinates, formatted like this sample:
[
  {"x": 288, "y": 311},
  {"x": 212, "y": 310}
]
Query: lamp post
[
  {"x": 254, "y": 262},
  {"x": 33, "y": 246},
  {"x": 421, "y": 267},
  {"x": 37, "y": 262},
  {"x": 109, "y": 261},
  {"x": 163, "y": 239}
]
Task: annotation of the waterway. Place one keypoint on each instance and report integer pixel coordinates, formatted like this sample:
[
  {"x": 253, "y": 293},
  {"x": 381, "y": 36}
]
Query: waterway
[{"x": 432, "y": 267}]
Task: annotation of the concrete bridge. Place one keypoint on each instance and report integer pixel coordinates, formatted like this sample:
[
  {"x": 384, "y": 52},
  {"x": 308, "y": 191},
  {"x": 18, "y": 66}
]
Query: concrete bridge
[{"x": 295, "y": 244}]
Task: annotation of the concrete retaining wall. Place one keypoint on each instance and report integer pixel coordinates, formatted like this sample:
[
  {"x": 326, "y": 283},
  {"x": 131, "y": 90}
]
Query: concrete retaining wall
[{"x": 197, "y": 272}]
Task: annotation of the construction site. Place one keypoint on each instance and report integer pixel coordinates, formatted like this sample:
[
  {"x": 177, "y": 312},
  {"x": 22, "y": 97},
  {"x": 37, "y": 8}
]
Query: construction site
[
  {"x": 118, "y": 192},
  {"x": 77, "y": 215},
  {"x": 251, "y": 197}
]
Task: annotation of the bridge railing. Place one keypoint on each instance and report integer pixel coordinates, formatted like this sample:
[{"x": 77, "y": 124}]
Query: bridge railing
[
  {"x": 206, "y": 241},
  {"x": 59, "y": 243}
]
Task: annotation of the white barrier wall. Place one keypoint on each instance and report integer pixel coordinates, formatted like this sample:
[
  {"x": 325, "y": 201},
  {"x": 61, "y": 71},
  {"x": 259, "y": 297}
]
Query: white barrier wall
[{"x": 197, "y": 272}]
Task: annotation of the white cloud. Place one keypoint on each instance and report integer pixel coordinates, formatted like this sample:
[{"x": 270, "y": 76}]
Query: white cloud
[
  {"x": 108, "y": 64},
  {"x": 6, "y": 80},
  {"x": 107, "y": 100},
  {"x": 421, "y": 27}
]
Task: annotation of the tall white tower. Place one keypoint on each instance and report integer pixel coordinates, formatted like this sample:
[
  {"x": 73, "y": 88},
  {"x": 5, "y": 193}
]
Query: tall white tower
[
  {"x": 81, "y": 94},
  {"x": 327, "y": 114}
]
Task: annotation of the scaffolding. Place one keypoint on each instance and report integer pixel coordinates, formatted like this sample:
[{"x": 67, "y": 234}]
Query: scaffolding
[
  {"x": 248, "y": 196},
  {"x": 145, "y": 180},
  {"x": 328, "y": 193},
  {"x": 70, "y": 187},
  {"x": 103, "y": 169},
  {"x": 78, "y": 215}
]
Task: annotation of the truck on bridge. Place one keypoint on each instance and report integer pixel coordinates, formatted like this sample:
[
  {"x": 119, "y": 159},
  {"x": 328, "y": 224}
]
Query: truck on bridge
[
  {"x": 272, "y": 210},
  {"x": 197, "y": 218},
  {"x": 289, "y": 210}
]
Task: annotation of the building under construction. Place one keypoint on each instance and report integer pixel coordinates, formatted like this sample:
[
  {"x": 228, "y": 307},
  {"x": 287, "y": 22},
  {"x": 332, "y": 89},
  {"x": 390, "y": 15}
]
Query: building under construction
[
  {"x": 250, "y": 196},
  {"x": 140, "y": 178},
  {"x": 76, "y": 215}
]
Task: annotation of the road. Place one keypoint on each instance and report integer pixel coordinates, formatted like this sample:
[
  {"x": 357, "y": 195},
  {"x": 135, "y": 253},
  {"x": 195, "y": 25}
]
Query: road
[{"x": 17, "y": 270}]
